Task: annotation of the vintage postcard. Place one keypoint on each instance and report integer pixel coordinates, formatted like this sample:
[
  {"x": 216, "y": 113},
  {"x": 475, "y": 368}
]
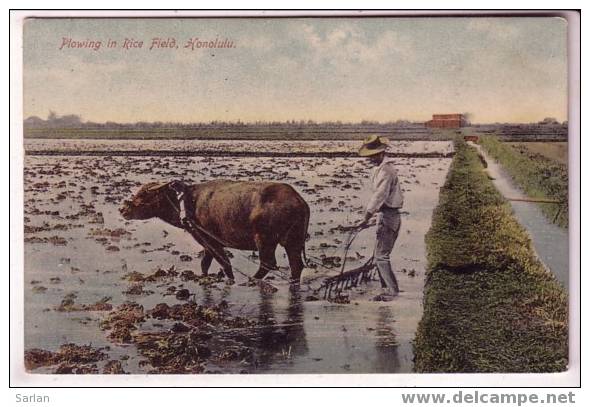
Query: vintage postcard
[{"x": 305, "y": 194}]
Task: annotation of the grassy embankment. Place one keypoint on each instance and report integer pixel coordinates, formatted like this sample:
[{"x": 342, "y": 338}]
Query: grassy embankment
[
  {"x": 537, "y": 175},
  {"x": 489, "y": 304}
]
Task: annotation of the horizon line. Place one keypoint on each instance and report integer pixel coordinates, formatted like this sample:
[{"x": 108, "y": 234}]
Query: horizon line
[{"x": 262, "y": 121}]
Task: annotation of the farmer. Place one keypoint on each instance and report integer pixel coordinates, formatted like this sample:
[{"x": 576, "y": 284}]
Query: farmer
[{"x": 387, "y": 200}]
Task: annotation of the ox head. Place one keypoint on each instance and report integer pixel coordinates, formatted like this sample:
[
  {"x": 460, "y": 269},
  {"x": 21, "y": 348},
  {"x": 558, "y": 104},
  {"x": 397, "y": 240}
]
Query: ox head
[{"x": 153, "y": 200}]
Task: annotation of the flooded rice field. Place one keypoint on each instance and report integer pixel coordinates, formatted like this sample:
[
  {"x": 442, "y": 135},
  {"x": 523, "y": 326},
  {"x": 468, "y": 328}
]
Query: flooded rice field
[
  {"x": 106, "y": 295},
  {"x": 409, "y": 147}
]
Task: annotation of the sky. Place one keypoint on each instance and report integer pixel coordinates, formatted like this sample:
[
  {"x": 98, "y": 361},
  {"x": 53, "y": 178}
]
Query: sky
[{"x": 324, "y": 69}]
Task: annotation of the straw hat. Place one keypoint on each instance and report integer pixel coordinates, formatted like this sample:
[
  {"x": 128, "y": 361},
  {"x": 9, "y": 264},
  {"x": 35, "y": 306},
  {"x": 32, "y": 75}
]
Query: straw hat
[{"x": 373, "y": 145}]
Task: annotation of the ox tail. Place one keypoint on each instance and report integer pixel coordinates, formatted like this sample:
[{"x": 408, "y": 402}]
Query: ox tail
[
  {"x": 306, "y": 236},
  {"x": 305, "y": 232},
  {"x": 302, "y": 231}
]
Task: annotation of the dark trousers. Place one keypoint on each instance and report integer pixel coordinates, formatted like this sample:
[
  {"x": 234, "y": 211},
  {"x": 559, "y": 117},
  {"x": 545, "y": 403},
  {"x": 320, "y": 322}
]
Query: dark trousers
[{"x": 388, "y": 225}]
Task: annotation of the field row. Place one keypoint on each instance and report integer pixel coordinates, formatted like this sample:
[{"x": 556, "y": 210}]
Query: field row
[{"x": 489, "y": 304}]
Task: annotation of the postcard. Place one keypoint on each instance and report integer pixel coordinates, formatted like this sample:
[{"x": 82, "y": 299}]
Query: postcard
[{"x": 317, "y": 194}]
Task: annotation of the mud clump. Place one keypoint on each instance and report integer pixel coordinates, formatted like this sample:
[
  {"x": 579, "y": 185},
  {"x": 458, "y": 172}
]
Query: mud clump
[
  {"x": 116, "y": 233},
  {"x": 113, "y": 367},
  {"x": 161, "y": 273},
  {"x": 184, "y": 347},
  {"x": 161, "y": 311},
  {"x": 331, "y": 261},
  {"x": 340, "y": 298},
  {"x": 209, "y": 280},
  {"x": 183, "y": 294},
  {"x": 68, "y": 368},
  {"x": 134, "y": 277},
  {"x": 263, "y": 285},
  {"x": 70, "y": 357},
  {"x": 188, "y": 275},
  {"x": 234, "y": 353},
  {"x": 68, "y": 305},
  {"x": 55, "y": 240},
  {"x": 179, "y": 327},
  {"x": 137, "y": 289},
  {"x": 35, "y": 358},
  {"x": 72, "y": 353},
  {"x": 137, "y": 277},
  {"x": 39, "y": 289},
  {"x": 122, "y": 321},
  {"x": 169, "y": 352},
  {"x": 198, "y": 315}
]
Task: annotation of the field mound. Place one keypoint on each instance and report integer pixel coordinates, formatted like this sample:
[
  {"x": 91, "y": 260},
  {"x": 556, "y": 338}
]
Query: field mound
[{"x": 489, "y": 304}]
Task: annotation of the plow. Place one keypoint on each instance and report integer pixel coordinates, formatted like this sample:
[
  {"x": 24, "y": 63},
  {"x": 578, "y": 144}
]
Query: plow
[{"x": 346, "y": 280}]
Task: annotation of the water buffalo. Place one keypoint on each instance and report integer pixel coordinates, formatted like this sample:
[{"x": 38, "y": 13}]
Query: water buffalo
[{"x": 239, "y": 215}]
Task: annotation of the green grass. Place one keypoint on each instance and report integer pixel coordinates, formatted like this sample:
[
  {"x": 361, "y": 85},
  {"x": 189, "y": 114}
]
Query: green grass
[
  {"x": 489, "y": 304},
  {"x": 537, "y": 175},
  {"x": 555, "y": 150}
]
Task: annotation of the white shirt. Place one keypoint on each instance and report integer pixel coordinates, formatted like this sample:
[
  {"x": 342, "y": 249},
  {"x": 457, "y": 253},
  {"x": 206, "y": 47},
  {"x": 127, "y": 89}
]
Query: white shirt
[{"x": 386, "y": 188}]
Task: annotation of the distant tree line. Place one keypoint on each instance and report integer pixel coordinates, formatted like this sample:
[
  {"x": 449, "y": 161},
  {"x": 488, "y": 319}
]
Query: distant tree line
[
  {"x": 75, "y": 121},
  {"x": 72, "y": 126}
]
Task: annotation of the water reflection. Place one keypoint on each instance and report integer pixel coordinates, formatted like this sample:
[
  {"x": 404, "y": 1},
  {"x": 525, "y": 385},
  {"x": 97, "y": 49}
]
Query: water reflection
[
  {"x": 280, "y": 341},
  {"x": 386, "y": 344},
  {"x": 294, "y": 330},
  {"x": 208, "y": 298}
]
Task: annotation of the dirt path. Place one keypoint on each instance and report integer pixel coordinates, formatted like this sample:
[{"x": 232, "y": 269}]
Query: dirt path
[{"x": 550, "y": 241}]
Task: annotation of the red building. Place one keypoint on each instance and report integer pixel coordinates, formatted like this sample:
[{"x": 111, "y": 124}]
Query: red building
[{"x": 447, "y": 121}]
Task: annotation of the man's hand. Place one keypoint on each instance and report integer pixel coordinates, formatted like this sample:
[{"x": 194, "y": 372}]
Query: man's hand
[
  {"x": 363, "y": 223},
  {"x": 186, "y": 222}
]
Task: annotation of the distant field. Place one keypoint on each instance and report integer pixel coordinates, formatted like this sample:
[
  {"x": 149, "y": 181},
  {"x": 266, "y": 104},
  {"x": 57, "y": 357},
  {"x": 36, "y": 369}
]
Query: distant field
[
  {"x": 553, "y": 150},
  {"x": 418, "y": 133},
  {"x": 538, "y": 175},
  {"x": 513, "y": 133}
]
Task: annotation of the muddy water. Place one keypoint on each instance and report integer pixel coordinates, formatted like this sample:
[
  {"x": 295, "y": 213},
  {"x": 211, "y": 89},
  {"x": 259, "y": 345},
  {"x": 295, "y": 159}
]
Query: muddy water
[
  {"x": 549, "y": 240},
  {"x": 76, "y": 199},
  {"x": 230, "y": 145}
]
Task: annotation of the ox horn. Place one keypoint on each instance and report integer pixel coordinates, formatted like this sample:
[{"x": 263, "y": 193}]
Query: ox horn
[
  {"x": 178, "y": 186},
  {"x": 156, "y": 186}
]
